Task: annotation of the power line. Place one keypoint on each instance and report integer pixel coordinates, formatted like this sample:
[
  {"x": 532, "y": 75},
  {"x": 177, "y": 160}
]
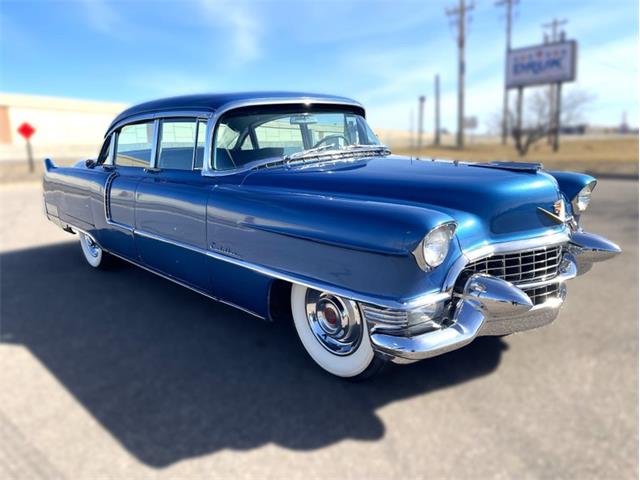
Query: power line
[{"x": 459, "y": 13}]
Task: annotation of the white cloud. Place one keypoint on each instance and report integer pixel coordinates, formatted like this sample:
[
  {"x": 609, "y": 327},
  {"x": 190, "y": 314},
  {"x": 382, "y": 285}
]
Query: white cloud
[
  {"x": 102, "y": 17},
  {"x": 238, "y": 20}
]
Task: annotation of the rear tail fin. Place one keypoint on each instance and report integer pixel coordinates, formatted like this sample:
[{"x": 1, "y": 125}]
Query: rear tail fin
[{"x": 49, "y": 165}]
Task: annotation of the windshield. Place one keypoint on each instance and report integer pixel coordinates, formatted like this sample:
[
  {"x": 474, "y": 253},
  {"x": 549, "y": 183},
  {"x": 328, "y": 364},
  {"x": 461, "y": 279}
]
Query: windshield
[{"x": 244, "y": 138}]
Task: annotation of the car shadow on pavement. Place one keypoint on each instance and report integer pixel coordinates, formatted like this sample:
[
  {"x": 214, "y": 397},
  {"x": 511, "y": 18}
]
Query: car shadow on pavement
[{"x": 173, "y": 375}]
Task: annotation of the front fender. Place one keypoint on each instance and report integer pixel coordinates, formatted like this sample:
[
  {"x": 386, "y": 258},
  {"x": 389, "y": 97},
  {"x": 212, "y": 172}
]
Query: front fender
[
  {"x": 570, "y": 183},
  {"x": 356, "y": 244}
]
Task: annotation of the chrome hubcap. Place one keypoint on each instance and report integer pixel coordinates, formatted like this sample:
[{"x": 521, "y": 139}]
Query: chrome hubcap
[
  {"x": 92, "y": 247},
  {"x": 334, "y": 321}
]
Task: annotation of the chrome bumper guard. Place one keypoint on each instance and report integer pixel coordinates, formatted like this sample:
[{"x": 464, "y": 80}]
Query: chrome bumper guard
[{"x": 491, "y": 306}]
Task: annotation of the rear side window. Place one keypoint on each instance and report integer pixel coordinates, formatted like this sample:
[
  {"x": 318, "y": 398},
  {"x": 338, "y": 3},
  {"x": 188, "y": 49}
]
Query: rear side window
[
  {"x": 134, "y": 145},
  {"x": 177, "y": 144}
]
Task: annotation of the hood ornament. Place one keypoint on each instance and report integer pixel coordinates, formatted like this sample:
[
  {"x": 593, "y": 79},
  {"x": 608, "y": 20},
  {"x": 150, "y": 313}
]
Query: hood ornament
[{"x": 559, "y": 214}]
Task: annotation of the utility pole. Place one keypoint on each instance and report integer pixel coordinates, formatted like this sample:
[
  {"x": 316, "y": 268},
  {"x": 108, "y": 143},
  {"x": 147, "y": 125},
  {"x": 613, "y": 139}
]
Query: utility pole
[
  {"x": 556, "y": 123},
  {"x": 554, "y": 35},
  {"x": 460, "y": 14},
  {"x": 412, "y": 141},
  {"x": 505, "y": 96},
  {"x": 421, "y": 101},
  {"x": 436, "y": 128}
]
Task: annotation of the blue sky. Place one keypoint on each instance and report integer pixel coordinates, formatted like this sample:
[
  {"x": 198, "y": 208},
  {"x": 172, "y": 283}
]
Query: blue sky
[{"x": 383, "y": 53}]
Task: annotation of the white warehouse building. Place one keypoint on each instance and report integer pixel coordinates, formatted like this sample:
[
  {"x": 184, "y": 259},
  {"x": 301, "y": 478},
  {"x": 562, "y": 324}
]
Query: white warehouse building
[{"x": 65, "y": 129}]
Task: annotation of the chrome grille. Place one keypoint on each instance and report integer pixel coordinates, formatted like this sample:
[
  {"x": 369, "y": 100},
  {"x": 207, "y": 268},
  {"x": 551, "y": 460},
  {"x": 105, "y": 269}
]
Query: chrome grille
[
  {"x": 540, "y": 295},
  {"x": 521, "y": 268}
]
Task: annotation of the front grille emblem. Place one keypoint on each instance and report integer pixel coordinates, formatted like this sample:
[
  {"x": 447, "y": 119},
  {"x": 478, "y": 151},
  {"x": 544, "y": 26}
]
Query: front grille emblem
[{"x": 559, "y": 215}]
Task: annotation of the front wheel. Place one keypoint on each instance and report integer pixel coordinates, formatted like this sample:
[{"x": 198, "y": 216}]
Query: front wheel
[{"x": 333, "y": 333}]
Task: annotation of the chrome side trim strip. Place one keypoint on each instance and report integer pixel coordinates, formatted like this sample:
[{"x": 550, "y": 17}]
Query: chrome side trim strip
[
  {"x": 107, "y": 196},
  {"x": 309, "y": 283},
  {"x": 174, "y": 280},
  {"x": 107, "y": 204},
  {"x": 427, "y": 298}
]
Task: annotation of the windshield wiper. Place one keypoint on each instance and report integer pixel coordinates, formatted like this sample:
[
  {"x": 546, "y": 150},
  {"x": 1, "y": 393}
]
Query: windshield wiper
[
  {"x": 325, "y": 150},
  {"x": 374, "y": 148},
  {"x": 309, "y": 151}
]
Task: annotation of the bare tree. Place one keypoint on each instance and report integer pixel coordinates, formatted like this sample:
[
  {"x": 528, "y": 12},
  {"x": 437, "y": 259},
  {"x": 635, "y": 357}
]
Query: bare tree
[{"x": 535, "y": 121}]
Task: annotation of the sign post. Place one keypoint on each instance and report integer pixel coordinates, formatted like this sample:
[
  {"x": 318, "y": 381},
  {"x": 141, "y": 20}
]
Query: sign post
[
  {"x": 26, "y": 130},
  {"x": 546, "y": 64}
]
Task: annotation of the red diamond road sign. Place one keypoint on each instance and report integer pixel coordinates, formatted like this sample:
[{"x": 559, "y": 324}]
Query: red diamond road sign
[{"x": 26, "y": 130}]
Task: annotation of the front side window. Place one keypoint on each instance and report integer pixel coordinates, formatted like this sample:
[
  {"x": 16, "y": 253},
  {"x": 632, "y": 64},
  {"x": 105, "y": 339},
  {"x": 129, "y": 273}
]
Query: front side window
[
  {"x": 246, "y": 138},
  {"x": 134, "y": 145},
  {"x": 177, "y": 144}
]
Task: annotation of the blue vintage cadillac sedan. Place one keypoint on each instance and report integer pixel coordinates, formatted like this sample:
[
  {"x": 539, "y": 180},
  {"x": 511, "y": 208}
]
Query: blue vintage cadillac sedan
[{"x": 287, "y": 206}]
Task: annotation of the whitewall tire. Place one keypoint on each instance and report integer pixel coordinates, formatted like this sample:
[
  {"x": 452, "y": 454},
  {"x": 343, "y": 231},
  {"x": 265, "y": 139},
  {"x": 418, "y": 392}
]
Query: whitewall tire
[
  {"x": 92, "y": 252},
  {"x": 333, "y": 333}
]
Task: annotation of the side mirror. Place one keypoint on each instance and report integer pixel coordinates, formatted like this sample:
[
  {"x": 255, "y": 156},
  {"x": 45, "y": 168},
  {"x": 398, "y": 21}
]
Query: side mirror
[{"x": 90, "y": 163}]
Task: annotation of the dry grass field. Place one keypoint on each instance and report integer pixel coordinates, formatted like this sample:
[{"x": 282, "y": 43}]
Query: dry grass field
[{"x": 599, "y": 155}]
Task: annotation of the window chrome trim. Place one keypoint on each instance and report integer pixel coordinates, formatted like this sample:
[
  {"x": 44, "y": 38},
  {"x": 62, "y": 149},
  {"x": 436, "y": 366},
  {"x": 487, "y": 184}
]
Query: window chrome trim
[
  {"x": 157, "y": 118},
  {"x": 153, "y": 158},
  {"x": 203, "y": 114},
  {"x": 208, "y": 161}
]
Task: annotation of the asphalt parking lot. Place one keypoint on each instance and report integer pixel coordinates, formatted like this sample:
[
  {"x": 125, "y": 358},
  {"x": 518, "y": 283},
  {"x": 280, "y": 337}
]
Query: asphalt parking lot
[{"x": 122, "y": 374}]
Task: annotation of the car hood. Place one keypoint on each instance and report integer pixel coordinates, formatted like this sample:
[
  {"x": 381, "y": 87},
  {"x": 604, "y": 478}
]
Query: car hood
[{"x": 489, "y": 204}]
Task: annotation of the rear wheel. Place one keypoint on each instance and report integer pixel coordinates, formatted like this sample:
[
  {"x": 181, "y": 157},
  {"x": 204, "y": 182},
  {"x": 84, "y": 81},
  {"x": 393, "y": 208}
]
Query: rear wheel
[
  {"x": 92, "y": 252},
  {"x": 333, "y": 333}
]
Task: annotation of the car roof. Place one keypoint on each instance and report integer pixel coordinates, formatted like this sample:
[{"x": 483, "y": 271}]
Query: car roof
[{"x": 210, "y": 102}]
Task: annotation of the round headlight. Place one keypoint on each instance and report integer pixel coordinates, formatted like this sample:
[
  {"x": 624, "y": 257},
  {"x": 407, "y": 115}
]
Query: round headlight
[
  {"x": 435, "y": 245},
  {"x": 581, "y": 201}
]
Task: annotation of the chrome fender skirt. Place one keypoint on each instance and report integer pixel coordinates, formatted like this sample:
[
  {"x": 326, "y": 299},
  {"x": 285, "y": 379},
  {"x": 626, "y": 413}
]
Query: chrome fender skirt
[{"x": 590, "y": 248}]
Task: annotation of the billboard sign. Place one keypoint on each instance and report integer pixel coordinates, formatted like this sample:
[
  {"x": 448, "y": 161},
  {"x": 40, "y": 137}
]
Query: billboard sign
[{"x": 542, "y": 64}]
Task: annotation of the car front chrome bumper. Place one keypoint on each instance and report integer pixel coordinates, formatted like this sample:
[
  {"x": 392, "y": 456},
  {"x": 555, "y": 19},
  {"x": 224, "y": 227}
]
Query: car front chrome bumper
[{"x": 489, "y": 305}]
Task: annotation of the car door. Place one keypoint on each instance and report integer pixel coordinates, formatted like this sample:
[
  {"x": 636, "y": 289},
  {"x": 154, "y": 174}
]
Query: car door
[
  {"x": 171, "y": 204},
  {"x": 134, "y": 147}
]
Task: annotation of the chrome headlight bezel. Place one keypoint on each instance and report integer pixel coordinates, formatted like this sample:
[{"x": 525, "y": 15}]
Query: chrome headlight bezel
[
  {"x": 435, "y": 237},
  {"x": 580, "y": 202}
]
